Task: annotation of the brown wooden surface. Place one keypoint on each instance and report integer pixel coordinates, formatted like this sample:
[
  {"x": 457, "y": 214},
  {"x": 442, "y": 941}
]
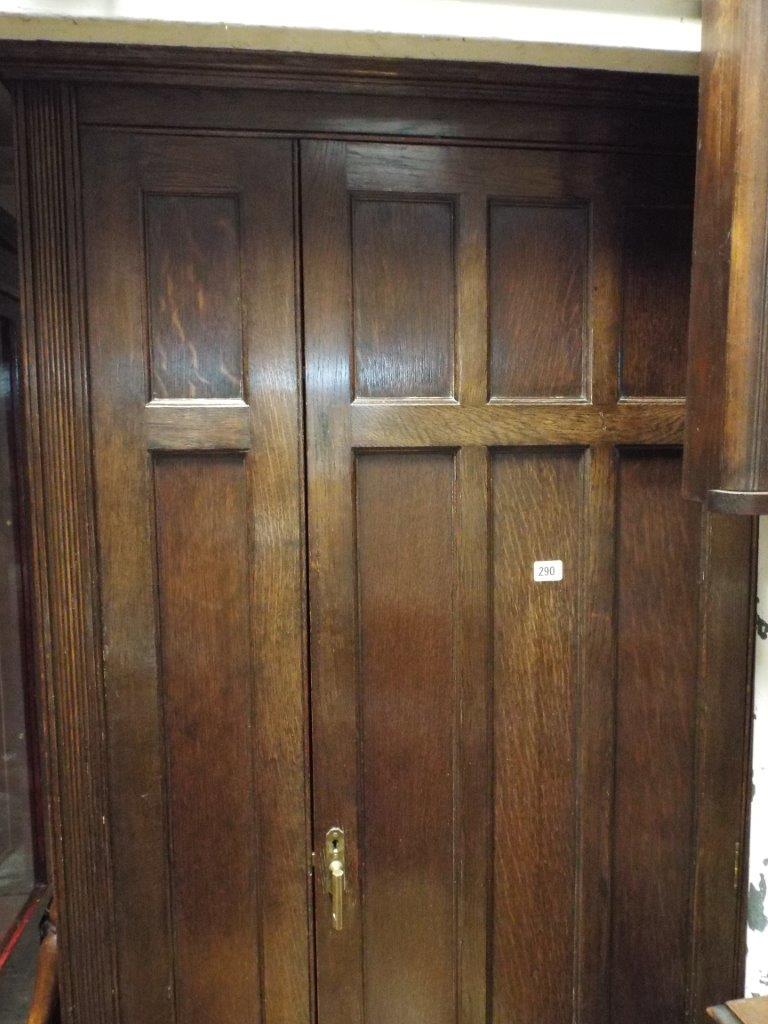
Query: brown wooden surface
[
  {"x": 655, "y": 737},
  {"x": 201, "y": 574},
  {"x": 63, "y": 572},
  {"x": 544, "y": 820},
  {"x": 424, "y": 499},
  {"x": 727, "y": 450}
]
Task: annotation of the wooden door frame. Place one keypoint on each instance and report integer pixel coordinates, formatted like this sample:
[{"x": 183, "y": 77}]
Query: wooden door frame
[{"x": 58, "y": 87}]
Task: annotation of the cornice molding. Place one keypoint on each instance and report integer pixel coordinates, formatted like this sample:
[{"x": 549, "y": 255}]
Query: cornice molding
[{"x": 321, "y": 73}]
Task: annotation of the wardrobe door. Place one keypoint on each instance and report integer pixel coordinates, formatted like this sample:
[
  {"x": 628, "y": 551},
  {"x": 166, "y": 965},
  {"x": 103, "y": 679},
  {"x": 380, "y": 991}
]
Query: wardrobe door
[
  {"x": 196, "y": 430},
  {"x": 503, "y": 814}
]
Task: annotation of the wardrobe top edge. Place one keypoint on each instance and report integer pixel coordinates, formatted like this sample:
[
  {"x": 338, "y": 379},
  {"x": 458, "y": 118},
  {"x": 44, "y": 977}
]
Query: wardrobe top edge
[{"x": 214, "y": 68}]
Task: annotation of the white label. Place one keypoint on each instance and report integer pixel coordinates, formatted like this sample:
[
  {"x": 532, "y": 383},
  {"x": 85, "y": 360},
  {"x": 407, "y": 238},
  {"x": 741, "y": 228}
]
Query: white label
[{"x": 548, "y": 572}]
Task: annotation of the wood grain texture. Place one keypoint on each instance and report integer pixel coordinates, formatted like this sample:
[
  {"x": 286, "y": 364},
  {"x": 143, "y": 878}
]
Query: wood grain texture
[
  {"x": 595, "y": 727},
  {"x": 657, "y": 273},
  {"x": 727, "y": 616},
  {"x": 195, "y": 425},
  {"x": 206, "y": 693},
  {"x": 537, "y": 499},
  {"x": 408, "y": 711},
  {"x": 711, "y": 262},
  {"x": 598, "y": 141},
  {"x": 499, "y": 424},
  {"x": 404, "y": 297},
  {"x": 63, "y": 571},
  {"x": 332, "y": 572},
  {"x": 351, "y": 96},
  {"x": 655, "y": 739},
  {"x": 727, "y": 435},
  {"x": 591, "y": 887},
  {"x": 265, "y": 427},
  {"x": 538, "y": 296},
  {"x": 193, "y": 287}
]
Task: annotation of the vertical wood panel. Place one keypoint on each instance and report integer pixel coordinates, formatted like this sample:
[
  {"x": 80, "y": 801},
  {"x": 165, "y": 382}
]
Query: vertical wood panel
[
  {"x": 118, "y": 167},
  {"x": 537, "y": 498},
  {"x": 723, "y": 772},
  {"x": 193, "y": 284},
  {"x": 332, "y": 570},
  {"x": 64, "y": 565},
  {"x": 206, "y": 693},
  {"x": 596, "y": 737},
  {"x": 658, "y": 548},
  {"x": 403, "y": 293},
  {"x": 408, "y": 708},
  {"x": 657, "y": 277},
  {"x": 539, "y": 258}
]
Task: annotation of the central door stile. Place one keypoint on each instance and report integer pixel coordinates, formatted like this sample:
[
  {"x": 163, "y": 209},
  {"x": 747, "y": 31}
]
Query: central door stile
[{"x": 332, "y": 585}]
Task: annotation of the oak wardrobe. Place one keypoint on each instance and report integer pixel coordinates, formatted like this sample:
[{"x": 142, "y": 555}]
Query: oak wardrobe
[{"x": 385, "y": 676}]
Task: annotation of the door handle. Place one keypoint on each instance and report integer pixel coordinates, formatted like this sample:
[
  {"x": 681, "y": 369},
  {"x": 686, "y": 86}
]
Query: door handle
[{"x": 335, "y": 867}]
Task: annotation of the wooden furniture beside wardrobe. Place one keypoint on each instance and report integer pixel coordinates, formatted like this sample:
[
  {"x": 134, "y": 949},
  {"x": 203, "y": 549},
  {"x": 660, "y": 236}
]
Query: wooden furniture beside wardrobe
[
  {"x": 726, "y": 462},
  {"x": 320, "y": 357}
]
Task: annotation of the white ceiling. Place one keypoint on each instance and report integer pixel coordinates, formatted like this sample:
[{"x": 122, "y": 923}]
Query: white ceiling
[{"x": 644, "y": 35}]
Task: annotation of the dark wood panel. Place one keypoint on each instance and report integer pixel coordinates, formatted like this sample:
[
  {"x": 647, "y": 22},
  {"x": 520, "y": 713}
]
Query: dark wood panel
[
  {"x": 538, "y": 288},
  {"x": 537, "y": 498},
  {"x": 347, "y": 95},
  {"x": 657, "y": 275},
  {"x": 122, "y": 427},
  {"x": 206, "y": 688},
  {"x": 64, "y": 567},
  {"x": 193, "y": 285},
  {"x": 267, "y": 430},
  {"x": 404, "y": 297},
  {"x": 658, "y": 571},
  {"x": 724, "y": 777},
  {"x": 408, "y": 708}
]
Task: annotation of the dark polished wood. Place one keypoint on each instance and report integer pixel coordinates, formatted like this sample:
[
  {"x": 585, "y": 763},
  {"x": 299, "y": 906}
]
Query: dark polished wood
[
  {"x": 491, "y": 291},
  {"x": 63, "y": 571},
  {"x": 200, "y": 539},
  {"x": 581, "y": 681},
  {"x": 727, "y": 449}
]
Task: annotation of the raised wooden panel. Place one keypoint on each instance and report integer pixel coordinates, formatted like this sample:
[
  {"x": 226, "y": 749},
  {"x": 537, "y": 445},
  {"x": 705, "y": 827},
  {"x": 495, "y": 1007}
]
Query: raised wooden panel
[
  {"x": 658, "y": 569},
  {"x": 206, "y": 691},
  {"x": 168, "y": 886},
  {"x": 538, "y": 299},
  {"x": 657, "y": 275},
  {"x": 193, "y": 285},
  {"x": 403, "y": 294},
  {"x": 407, "y": 694},
  {"x": 536, "y": 514}
]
